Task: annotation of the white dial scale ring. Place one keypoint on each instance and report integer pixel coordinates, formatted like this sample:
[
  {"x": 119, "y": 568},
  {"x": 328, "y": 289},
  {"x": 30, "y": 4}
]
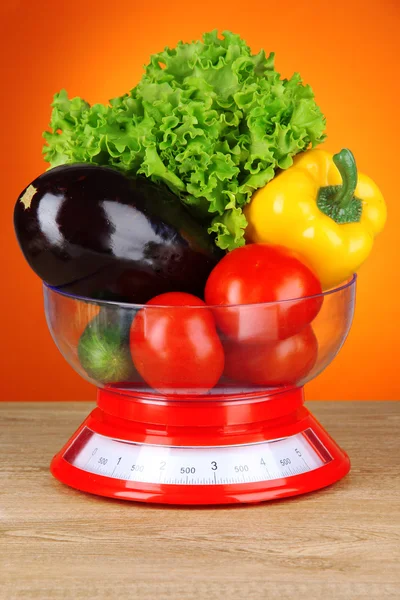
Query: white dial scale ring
[{"x": 197, "y": 465}]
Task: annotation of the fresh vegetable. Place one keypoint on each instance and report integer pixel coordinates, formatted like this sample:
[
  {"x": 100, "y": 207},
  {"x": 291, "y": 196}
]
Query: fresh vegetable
[
  {"x": 103, "y": 348},
  {"x": 260, "y": 273},
  {"x": 175, "y": 346},
  {"x": 209, "y": 119},
  {"x": 322, "y": 209},
  {"x": 286, "y": 362},
  {"x": 96, "y": 233}
]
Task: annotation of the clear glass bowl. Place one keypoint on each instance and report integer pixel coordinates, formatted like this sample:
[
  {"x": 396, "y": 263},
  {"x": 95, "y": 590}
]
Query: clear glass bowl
[{"x": 186, "y": 351}]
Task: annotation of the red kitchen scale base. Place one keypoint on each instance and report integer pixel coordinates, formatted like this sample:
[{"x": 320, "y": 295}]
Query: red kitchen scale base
[{"x": 258, "y": 448}]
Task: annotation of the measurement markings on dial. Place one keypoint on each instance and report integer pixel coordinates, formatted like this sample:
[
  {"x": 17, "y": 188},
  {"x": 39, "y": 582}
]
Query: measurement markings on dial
[{"x": 208, "y": 465}]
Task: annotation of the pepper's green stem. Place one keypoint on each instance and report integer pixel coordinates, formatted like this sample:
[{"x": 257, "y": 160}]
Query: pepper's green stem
[
  {"x": 338, "y": 201},
  {"x": 346, "y": 164}
]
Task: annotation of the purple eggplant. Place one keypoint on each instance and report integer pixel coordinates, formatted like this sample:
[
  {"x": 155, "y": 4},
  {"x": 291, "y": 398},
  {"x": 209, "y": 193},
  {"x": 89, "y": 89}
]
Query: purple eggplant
[{"x": 94, "y": 232}]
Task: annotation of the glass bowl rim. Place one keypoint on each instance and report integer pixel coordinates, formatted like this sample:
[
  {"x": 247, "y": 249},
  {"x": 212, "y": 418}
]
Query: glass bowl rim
[{"x": 128, "y": 305}]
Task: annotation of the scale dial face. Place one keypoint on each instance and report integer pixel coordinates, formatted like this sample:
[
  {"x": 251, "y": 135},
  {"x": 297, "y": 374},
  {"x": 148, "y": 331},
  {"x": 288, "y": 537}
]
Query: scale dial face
[{"x": 200, "y": 465}]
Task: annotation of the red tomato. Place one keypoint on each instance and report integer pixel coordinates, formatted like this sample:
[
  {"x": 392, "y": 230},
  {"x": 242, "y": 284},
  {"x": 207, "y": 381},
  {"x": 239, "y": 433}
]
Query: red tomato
[
  {"x": 257, "y": 274},
  {"x": 286, "y": 362},
  {"x": 175, "y": 346}
]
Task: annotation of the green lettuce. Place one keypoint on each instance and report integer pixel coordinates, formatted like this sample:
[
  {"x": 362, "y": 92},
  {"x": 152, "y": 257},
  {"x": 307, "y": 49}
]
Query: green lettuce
[{"x": 209, "y": 119}]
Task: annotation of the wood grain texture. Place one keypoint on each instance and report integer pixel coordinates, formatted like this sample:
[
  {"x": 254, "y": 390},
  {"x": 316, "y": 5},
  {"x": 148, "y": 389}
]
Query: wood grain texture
[{"x": 339, "y": 543}]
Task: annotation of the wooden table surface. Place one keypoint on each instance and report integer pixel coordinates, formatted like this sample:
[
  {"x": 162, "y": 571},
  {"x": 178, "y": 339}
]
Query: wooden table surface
[{"x": 341, "y": 542}]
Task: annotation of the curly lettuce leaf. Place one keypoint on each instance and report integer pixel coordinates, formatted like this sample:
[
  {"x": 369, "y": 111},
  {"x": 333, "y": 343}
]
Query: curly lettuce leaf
[{"x": 208, "y": 118}]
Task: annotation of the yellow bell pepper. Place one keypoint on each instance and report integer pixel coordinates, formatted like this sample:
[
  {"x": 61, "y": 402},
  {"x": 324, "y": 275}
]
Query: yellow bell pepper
[{"x": 323, "y": 210}]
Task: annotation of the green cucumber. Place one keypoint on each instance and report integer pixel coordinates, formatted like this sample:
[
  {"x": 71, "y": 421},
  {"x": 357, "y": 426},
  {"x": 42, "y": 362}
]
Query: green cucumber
[{"x": 103, "y": 348}]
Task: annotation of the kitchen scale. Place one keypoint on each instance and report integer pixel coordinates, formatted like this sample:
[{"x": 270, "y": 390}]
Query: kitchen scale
[
  {"x": 237, "y": 444},
  {"x": 258, "y": 448}
]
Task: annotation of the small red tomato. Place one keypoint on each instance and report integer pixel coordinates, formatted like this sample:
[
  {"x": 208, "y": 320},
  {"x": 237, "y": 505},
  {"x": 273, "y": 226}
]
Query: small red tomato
[
  {"x": 175, "y": 346},
  {"x": 279, "y": 291},
  {"x": 286, "y": 362}
]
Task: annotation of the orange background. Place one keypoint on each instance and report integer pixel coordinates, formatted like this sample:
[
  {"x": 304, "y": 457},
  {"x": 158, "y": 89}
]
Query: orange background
[{"x": 347, "y": 50}]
